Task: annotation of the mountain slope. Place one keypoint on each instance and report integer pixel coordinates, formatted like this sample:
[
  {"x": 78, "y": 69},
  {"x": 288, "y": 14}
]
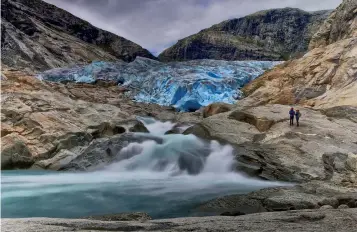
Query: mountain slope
[
  {"x": 266, "y": 35},
  {"x": 37, "y": 36},
  {"x": 325, "y": 77}
]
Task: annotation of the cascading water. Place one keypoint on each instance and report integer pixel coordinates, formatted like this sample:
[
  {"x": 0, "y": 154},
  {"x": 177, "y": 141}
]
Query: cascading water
[{"x": 165, "y": 179}]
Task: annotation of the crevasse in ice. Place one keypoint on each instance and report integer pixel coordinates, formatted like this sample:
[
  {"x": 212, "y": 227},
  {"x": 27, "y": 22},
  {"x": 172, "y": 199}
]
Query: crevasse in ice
[{"x": 184, "y": 85}]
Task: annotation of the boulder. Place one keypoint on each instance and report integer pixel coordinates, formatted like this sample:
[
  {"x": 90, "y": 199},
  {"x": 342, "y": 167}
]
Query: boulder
[
  {"x": 262, "y": 124},
  {"x": 331, "y": 201},
  {"x": 311, "y": 195},
  {"x": 15, "y": 153},
  {"x": 343, "y": 207},
  {"x": 216, "y": 108},
  {"x": 107, "y": 129},
  {"x": 325, "y": 207},
  {"x": 340, "y": 167},
  {"x": 61, "y": 159}
]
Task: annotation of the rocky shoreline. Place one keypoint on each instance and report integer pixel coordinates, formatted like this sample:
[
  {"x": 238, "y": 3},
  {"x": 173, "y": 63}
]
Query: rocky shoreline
[{"x": 339, "y": 220}]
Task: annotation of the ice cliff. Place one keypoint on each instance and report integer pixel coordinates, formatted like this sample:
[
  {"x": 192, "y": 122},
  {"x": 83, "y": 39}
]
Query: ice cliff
[{"x": 184, "y": 85}]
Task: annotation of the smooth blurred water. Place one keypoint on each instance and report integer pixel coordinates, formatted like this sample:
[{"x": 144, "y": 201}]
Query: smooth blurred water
[{"x": 156, "y": 179}]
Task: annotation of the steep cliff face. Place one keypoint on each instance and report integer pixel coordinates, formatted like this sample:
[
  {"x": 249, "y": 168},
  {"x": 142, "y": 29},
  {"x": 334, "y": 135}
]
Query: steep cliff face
[
  {"x": 341, "y": 24},
  {"x": 37, "y": 36},
  {"x": 325, "y": 77},
  {"x": 267, "y": 35}
]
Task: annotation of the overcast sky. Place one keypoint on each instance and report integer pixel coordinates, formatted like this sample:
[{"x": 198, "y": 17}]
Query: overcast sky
[{"x": 157, "y": 24}]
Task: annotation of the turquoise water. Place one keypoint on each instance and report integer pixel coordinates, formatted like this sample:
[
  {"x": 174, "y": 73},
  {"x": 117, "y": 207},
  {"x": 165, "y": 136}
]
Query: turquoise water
[
  {"x": 70, "y": 195},
  {"x": 165, "y": 179}
]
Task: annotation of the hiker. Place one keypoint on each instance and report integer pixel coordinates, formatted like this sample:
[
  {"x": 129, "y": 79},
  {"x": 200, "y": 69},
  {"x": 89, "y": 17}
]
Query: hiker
[
  {"x": 292, "y": 114},
  {"x": 297, "y": 116}
]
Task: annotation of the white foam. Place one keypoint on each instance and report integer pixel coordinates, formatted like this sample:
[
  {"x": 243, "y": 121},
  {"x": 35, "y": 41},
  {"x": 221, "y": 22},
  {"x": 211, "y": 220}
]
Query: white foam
[{"x": 152, "y": 170}]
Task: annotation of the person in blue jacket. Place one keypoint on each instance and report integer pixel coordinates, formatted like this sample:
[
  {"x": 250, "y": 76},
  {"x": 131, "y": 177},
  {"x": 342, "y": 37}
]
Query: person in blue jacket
[
  {"x": 297, "y": 116},
  {"x": 292, "y": 115}
]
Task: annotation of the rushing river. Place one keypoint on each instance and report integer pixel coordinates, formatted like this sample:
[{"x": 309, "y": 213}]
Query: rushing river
[{"x": 151, "y": 181}]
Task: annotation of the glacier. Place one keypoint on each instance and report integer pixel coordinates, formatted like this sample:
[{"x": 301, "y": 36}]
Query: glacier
[{"x": 187, "y": 86}]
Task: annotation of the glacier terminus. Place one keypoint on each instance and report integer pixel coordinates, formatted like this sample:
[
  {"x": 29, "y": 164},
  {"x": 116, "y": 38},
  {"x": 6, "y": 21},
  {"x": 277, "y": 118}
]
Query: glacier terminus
[{"x": 187, "y": 86}]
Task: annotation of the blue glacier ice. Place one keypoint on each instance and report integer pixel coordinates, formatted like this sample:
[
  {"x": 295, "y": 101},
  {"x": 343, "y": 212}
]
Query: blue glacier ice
[{"x": 185, "y": 85}]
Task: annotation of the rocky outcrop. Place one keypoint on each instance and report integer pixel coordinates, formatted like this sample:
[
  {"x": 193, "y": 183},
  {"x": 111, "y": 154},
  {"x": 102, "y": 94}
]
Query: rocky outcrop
[
  {"x": 37, "y": 36},
  {"x": 216, "y": 108},
  {"x": 52, "y": 123},
  {"x": 341, "y": 220},
  {"x": 276, "y": 34},
  {"x": 322, "y": 148},
  {"x": 340, "y": 25},
  {"x": 325, "y": 77},
  {"x": 312, "y": 195}
]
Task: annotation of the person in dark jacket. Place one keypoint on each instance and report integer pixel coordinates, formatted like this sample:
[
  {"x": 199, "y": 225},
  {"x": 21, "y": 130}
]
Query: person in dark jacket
[
  {"x": 297, "y": 116},
  {"x": 292, "y": 114}
]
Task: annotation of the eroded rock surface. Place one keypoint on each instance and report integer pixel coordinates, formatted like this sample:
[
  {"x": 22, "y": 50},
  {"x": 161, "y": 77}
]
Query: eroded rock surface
[
  {"x": 138, "y": 216},
  {"x": 312, "y": 195},
  {"x": 323, "y": 78},
  {"x": 41, "y": 120},
  {"x": 322, "y": 148},
  {"x": 341, "y": 220}
]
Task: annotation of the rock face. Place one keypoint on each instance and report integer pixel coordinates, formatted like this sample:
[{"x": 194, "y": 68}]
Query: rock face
[
  {"x": 325, "y": 77},
  {"x": 276, "y": 34},
  {"x": 216, "y": 108},
  {"x": 322, "y": 148},
  {"x": 54, "y": 121},
  {"x": 341, "y": 220},
  {"x": 340, "y": 25},
  {"x": 37, "y": 36},
  {"x": 312, "y": 195}
]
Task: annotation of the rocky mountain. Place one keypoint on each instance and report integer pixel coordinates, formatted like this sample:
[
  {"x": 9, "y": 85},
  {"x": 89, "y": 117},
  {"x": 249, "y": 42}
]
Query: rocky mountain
[
  {"x": 37, "y": 36},
  {"x": 274, "y": 34},
  {"x": 325, "y": 77}
]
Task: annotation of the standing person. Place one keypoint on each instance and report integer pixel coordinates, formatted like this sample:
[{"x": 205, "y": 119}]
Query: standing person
[
  {"x": 297, "y": 116},
  {"x": 292, "y": 114}
]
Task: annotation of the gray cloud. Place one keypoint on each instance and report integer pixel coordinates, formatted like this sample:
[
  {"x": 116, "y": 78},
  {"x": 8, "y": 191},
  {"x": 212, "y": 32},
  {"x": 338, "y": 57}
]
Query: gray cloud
[{"x": 157, "y": 24}]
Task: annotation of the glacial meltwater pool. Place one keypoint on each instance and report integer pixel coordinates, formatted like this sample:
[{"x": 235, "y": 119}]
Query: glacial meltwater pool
[{"x": 151, "y": 181}]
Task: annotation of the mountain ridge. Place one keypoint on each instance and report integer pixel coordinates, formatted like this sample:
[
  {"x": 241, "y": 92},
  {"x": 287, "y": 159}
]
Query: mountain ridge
[
  {"x": 272, "y": 34},
  {"x": 38, "y": 36},
  {"x": 324, "y": 77}
]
